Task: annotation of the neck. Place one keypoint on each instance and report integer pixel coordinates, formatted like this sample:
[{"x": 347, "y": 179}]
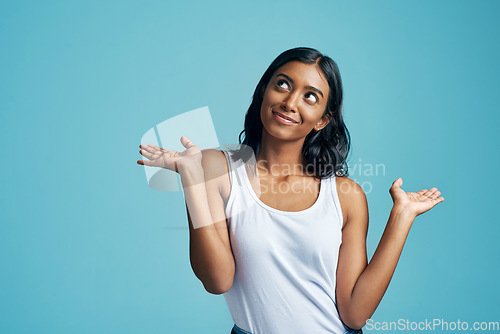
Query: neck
[{"x": 280, "y": 157}]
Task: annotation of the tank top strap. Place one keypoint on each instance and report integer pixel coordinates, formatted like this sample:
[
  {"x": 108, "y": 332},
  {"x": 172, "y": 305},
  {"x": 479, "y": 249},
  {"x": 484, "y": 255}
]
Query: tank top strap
[
  {"x": 239, "y": 198},
  {"x": 234, "y": 168},
  {"x": 334, "y": 196}
]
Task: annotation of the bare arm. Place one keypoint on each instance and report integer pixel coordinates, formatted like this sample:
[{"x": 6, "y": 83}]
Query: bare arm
[
  {"x": 201, "y": 172},
  {"x": 361, "y": 286},
  {"x": 210, "y": 250}
]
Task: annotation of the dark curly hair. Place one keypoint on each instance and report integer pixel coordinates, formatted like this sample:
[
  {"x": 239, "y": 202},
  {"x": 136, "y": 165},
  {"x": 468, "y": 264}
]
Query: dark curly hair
[{"x": 325, "y": 151}]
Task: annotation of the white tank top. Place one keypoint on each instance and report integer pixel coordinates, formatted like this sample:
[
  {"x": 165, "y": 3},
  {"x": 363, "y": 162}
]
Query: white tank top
[{"x": 286, "y": 262}]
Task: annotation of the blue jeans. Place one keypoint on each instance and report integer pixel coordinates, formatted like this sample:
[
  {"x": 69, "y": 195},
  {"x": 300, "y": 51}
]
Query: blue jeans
[{"x": 237, "y": 330}]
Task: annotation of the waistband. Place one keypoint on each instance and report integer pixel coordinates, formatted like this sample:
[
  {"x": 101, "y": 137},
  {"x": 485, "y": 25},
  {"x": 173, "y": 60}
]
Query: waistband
[
  {"x": 237, "y": 330},
  {"x": 353, "y": 331}
]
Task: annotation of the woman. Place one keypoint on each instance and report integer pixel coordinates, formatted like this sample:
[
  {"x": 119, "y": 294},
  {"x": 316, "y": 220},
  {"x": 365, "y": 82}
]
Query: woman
[{"x": 287, "y": 245}]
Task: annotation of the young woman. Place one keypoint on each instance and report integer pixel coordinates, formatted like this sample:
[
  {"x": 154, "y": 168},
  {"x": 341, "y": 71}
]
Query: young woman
[{"x": 278, "y": 228}]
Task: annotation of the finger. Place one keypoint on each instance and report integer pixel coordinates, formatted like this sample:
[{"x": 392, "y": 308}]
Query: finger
[
  {"x": 157, "y": 149},
  {"x": 143, "y": 146},
  {"x": 186, "y": 142},
  {"x": 149, "y": 148},
  {"x": 435, "y": 195},
  {"x": 398, "y": 183},
  {"x": 422, "y": 192},
  {"x": 149, "y": 155},
  {"x": 145, "y": 162},
  {"x": 429, "y": 192},
  {"x": 438, "y": 200},
  {"x": 432, "y": 191}
]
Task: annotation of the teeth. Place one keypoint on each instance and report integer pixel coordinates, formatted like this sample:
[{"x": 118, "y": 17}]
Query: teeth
[{"x": 286, "y": 119}]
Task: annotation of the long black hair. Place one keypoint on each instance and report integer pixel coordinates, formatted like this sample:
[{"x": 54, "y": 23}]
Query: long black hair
[{"x": 325, "y": 151}]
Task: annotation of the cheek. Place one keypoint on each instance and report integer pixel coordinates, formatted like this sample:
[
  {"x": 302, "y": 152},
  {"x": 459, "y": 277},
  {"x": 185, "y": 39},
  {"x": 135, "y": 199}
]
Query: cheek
[
  {"x": 266, "y": 105},
  {"x": 271, "y": 97},
  {"x": 312, "y": 117}
]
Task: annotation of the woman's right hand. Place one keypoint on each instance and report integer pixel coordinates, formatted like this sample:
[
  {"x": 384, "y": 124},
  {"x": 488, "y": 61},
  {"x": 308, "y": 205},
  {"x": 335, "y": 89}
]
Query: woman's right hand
[{"x": 171, "y": 160}]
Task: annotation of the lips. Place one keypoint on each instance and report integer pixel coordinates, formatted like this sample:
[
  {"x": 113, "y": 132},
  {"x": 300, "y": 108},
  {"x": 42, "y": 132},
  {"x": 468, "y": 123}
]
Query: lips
[{"x": 283, "y": 117}]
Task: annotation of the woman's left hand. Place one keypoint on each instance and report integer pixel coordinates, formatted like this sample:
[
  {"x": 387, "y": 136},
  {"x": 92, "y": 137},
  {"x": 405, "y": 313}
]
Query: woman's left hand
[{"x": 415, "y": 203}]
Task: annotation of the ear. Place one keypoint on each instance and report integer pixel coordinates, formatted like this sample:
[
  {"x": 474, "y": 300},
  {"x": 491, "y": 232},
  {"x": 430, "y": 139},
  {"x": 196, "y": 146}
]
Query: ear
[{"x": 322, "y": 123}]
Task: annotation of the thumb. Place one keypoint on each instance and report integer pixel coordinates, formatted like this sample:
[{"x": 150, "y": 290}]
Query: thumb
[
  {"x": 186, "y": 142},
  {"x": 397, "y": 184}
]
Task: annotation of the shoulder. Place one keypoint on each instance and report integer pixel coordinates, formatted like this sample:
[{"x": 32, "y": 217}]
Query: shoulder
[
  {"x": 213, "y": 161},
  {"x": 352, "y": 199},
  {"x": 348, "y": 187},
  {"x": 212, "y": 153}
]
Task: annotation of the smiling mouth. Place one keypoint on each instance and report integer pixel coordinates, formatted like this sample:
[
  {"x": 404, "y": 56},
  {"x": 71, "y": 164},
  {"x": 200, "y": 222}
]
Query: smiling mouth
[{"x": 283, "y": 117}]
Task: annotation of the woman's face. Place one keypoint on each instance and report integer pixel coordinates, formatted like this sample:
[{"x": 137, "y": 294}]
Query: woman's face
[{"x": 298, "y": 92}]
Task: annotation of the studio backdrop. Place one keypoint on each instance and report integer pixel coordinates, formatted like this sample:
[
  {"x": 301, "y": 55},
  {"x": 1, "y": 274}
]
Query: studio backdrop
[{"x": 87, "y": 245}]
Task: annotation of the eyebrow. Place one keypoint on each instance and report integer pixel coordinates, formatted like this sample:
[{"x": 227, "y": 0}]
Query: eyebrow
[{"x": 310, "y": 87}]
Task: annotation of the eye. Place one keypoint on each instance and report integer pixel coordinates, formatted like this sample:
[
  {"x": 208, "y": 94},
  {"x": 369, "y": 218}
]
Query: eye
[
  {"x": 281, "y": 82},
  {"x": 314, "y": 97}
]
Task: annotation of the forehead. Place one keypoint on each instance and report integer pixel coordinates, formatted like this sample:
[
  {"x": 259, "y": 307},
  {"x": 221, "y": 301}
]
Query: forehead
[{"x": 304, "y": 74}]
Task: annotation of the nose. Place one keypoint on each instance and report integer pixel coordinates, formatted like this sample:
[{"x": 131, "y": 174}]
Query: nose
[{"x": 291, "y": 102}]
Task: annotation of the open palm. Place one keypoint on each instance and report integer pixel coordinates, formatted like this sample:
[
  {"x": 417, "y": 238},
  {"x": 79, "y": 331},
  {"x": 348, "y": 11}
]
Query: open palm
[
  {"x": 417, "y": 202},
  {"x": 169, "y": 159}
]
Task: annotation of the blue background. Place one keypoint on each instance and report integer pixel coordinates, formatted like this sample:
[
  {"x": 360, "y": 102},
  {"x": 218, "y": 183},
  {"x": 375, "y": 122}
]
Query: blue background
[{"x": 87, "y": 247}]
